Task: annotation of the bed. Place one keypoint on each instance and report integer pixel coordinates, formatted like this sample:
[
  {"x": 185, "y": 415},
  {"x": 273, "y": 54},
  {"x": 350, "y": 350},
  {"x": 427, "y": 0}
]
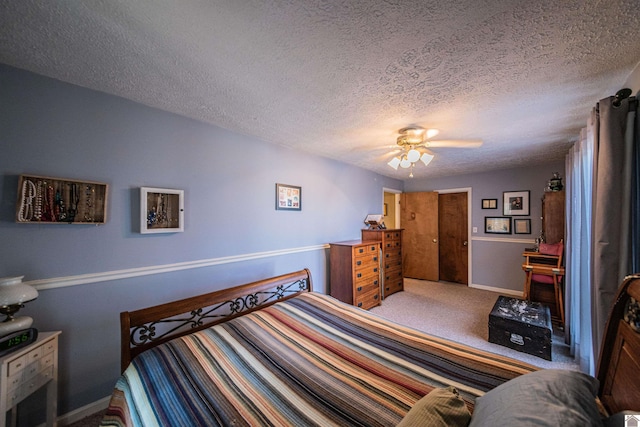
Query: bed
[{"x": 274, "y": 352}]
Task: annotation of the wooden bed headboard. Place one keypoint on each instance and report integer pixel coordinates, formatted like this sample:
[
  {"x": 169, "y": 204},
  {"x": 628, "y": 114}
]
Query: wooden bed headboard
[
  {"x": 619, "y": 361},
  {"x": 146, "y": 328}
]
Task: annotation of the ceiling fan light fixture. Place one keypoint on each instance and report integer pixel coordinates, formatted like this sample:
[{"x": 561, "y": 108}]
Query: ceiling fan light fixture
[
  {"x": 413, "y": 155},
  {"x": 426, "y": 158},
  {"x": 405, "y": 163},
  {"x": 394, "y": 163}
]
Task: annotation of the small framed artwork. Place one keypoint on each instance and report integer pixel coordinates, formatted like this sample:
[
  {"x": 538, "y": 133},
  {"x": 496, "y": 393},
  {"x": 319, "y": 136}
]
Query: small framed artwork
[
  {"x": 497, "y": 225},
  {"x": 161, "y": 210},
  {"x": 515, "y": 203},
  {"x": 489, "y": 203},
  {"x": 521, "y": 226},
  {"x": 288, "y": 197}
]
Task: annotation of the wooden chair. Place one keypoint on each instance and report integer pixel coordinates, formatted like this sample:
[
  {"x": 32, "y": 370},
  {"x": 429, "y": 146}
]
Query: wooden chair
[{"x": 546, "y": 267}]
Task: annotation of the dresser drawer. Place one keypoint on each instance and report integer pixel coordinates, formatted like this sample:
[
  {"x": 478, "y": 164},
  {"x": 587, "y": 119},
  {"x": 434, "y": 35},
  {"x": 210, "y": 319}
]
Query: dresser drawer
[
  {"x": 16, "y": 394},
  {"x": 392, "y": 235},
  {"x": 368, "y": 300},
  {"x": 365, "y": 288},
  {"x": 393, "y": 262},
  {"x": 368, "y": 260},
  {"x": 366, "y": 250},
  {"x": 367, "y": 271},
  {"x": 392, "y": 244}
]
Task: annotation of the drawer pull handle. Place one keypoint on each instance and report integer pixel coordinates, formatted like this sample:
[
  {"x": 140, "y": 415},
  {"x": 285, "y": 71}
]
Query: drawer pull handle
[
  {"x": 360, "y": 250},
  {"x": 375, "y": 270},
  {"x": 375, "y": 258},
  {"x": 376, "y": 296},
  {"x": 359, "y": 304},
  {"x": 359, "y": 288},
  {"x": 359, "y": 275},
  {"x": 358, "y": 262},
  {"x": 375, "y": 282}
]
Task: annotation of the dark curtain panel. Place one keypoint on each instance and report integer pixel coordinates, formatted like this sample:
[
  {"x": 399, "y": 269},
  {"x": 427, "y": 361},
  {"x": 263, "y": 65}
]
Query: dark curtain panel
[
  {"x": 612, "y": 207},
  {"x": 635, "y": 196}
]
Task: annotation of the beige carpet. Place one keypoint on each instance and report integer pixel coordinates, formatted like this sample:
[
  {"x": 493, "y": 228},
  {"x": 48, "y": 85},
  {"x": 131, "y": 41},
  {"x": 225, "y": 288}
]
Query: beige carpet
[{"x": 460, "y": 313}]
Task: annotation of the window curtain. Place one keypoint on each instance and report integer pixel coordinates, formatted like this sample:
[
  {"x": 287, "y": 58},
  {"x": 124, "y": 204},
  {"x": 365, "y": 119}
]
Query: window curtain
[
  {"x": 600, "y": 218},
  {"x": 579, "y": 185}
]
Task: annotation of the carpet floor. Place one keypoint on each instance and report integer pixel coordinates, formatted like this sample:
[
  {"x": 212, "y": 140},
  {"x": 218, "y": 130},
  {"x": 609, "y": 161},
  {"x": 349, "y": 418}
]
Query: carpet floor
[
  {"x": 449, "y": 310},
  {"x": 460, "y": 313}
]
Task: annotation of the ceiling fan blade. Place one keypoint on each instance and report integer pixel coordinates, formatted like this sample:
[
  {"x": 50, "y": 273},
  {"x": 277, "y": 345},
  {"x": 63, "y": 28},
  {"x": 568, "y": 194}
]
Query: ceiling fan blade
[{"x": 454, "y": 143}]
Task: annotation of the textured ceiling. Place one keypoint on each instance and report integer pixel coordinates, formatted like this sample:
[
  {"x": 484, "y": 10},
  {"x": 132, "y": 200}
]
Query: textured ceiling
[{"x": 338, "y": 78}]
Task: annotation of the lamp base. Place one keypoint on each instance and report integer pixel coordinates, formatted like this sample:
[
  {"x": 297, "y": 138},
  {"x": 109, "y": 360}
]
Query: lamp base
[{"x": 15, "y": 324}]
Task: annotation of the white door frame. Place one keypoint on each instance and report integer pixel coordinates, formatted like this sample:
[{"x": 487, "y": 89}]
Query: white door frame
[{"x": 396, "y": 203}]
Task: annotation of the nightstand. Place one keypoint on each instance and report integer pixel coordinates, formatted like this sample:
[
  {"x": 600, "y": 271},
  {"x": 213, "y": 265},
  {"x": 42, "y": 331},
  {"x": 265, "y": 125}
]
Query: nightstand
[{"x": 26, "y": 370}]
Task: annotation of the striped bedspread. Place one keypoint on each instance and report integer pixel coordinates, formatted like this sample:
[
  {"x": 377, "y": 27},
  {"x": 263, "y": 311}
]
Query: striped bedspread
[{"x": 311, "y": 360}]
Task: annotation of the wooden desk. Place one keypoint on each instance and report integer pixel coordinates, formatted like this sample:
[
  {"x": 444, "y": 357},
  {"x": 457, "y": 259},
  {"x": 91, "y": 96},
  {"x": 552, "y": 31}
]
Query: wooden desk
[{"x": 26, "y": 370}]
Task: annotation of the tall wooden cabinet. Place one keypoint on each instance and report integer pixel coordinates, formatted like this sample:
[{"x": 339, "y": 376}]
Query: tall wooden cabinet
[
  {"x": 553, "y": 203},
  {"x": 392, "y": 274},
  {"x": 355, "y": 272}
]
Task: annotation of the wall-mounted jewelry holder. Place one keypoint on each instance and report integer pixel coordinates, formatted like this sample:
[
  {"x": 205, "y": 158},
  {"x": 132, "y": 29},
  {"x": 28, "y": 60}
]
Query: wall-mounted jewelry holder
[
  {"x": 161, "y": 210},
  {"x": 47, "y": 200}
]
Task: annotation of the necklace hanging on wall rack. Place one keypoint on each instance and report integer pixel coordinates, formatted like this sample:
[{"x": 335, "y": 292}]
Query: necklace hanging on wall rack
[{"x": 26, "y": 206}]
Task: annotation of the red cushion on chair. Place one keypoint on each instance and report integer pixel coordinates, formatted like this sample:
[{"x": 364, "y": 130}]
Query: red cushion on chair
[
  {"x": 551, "y": 249},
  {"x": 542, "y": 278}
]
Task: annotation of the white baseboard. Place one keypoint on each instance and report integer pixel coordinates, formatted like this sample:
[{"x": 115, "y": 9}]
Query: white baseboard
[
  {"x": 85, "y": 411},
  {"x": 511, "y": 292}
]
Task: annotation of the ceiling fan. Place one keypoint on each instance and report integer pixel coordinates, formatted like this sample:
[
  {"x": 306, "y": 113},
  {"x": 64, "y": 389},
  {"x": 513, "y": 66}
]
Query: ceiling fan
[{"x": 415, "y": 142}]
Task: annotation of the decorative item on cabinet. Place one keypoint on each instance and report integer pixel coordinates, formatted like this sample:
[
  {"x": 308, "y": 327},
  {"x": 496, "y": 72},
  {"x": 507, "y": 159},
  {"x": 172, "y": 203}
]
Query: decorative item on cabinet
[
  {"x": 355, "y": 272},
  {"x": 392, "y": 274},
  {"x": 46, "y": 200}
]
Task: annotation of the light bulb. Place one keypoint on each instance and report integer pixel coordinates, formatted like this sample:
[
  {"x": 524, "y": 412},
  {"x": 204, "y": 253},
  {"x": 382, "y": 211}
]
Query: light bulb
[{"x": 405, "y": 163}]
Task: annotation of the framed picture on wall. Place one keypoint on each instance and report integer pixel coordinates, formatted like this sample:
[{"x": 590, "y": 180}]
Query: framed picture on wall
[
  {"x": 161, "y": 210},
  {"x": 489, "y": 203},
  {"x": 521, "y": 226},
  {"x": 288, "y": 197},
  {"x": 497, "y": 225},
  {"x": 515, "y": 203}
]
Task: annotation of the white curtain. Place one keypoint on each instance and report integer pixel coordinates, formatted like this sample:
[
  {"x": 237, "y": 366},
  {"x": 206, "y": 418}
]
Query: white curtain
[
  {"x": 579, "y": 180},
  {"x": 599, "y": 222}
]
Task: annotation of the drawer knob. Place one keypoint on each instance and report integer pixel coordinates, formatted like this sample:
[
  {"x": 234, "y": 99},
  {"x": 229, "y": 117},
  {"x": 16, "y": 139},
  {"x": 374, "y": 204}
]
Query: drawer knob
[
  {"x": 359, "y": 304},
  {"x": 359, "y": 288},
  {"x": 358, "y": 262},
  {"x": 359, "y": 275}
]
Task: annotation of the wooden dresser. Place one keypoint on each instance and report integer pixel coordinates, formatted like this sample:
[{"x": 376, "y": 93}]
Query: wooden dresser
[
  {"x": 392, "y": 274},
  {"x": 355, "y": 272},
  {"x": 553, "y": 206}
]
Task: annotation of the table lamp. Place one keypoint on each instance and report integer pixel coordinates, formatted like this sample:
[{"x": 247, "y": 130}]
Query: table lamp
[{"x": 13, "y": 295}]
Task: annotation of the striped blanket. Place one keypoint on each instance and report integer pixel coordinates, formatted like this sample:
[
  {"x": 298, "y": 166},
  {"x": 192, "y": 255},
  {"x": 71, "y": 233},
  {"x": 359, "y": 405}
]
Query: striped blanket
[{"x": 311, "y": 360}]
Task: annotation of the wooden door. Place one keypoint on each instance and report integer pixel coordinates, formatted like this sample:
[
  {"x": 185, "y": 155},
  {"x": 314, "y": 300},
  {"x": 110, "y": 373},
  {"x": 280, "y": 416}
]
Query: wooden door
[
  {"x": 453, "y": 232},
  {"x": 419, "y": 219}
]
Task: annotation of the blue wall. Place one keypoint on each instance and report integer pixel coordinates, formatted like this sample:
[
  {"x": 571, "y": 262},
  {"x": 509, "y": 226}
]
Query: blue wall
[{"x": 55, "y": 129}]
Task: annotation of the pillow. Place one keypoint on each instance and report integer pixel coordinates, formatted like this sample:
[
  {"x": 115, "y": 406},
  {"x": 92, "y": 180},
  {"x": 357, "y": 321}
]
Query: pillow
[
  {"x": 551, "y": 248},
  {"x": 549, "y": 397},
  {"x": 441, "y": 407}
]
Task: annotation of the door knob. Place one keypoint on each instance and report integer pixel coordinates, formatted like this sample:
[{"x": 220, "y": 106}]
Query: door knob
[
  {"x": 464, "y": 243},
  {"x": 435, "y": 240}
]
